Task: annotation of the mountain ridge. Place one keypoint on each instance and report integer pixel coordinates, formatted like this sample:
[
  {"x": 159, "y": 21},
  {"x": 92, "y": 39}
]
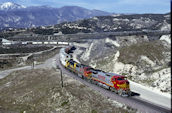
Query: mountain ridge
[{"x": 35, "y": 16}]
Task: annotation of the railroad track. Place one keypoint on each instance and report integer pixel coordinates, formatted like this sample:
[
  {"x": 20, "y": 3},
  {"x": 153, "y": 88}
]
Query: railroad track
[{"x": 134, "y": 101}]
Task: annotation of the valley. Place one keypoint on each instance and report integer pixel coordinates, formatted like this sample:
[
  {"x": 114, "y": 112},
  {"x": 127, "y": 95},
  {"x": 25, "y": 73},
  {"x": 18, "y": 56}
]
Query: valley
[{"x": 137, "y": 46}]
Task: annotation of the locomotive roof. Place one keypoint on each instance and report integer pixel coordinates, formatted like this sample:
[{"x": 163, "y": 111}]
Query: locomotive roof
[
  {"x": 114, "y": 74},
  {"x": 83, "y": 65}
]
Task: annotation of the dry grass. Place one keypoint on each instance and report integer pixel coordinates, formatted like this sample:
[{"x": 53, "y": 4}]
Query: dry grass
[
  {"x": 39, "y": 91},
  {"x": 15, "y": 62},
  {"x": 131, "y": 54},
  {"x": 43, "y": 57}
]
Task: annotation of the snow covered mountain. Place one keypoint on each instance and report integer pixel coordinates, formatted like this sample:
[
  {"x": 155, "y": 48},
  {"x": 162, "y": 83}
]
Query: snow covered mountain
[
  {"x": 23, "y": 17},
  {"x": 10, "y": 6}
]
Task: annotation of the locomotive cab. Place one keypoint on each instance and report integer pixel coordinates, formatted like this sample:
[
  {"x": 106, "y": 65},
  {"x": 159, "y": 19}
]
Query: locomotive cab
[{"x": 121, "y": 84}]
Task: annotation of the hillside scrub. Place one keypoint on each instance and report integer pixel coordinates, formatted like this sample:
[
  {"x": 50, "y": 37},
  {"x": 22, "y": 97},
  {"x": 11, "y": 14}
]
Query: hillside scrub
[
  {"x": 40, "y": 91},
  {"x": 141, "y": 60},
  {"x": 22, "y": 49},
  {"x": 153, "y": 50}
]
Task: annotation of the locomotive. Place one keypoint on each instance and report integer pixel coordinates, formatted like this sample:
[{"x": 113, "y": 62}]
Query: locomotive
[{"x": 111, "y": 81}]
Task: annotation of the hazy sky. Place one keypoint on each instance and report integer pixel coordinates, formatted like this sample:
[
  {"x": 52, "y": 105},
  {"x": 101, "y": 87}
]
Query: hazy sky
[{"x": 114, "y": 6}]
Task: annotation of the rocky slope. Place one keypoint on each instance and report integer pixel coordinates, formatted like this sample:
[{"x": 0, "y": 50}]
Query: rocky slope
[
  {"x": 121, "y": 23},
  {"x": 143, "y": 61},
  {"x": 113, "y": 23}
]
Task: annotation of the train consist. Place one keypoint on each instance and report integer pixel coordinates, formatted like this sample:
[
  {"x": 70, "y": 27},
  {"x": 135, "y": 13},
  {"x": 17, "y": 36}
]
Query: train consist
[{"x": 111, "y": 81}]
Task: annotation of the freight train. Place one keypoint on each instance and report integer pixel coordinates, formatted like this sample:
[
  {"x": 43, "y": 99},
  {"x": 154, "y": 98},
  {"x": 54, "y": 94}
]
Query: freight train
[{"x": 111, "y": 81}]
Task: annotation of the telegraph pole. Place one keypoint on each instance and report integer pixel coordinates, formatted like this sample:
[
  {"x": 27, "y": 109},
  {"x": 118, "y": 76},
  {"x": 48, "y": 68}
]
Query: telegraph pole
[
  {"x": 33, "y": 63},
  {"x": 58, "y": 67},
  {"x": 61, "y": 78}
]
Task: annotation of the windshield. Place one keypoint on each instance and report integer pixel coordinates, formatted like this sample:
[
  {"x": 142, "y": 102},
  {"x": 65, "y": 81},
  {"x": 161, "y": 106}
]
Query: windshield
[{"x": 121, "y": 78}]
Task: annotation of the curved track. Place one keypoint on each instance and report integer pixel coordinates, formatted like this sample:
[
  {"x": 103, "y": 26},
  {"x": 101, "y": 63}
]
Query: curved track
[{"x": 134, "y": 101}]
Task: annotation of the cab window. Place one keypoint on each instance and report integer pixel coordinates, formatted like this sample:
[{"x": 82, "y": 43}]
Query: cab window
[
  {"x": 72, "y": 63},
  {"x": 94, "y": 72},
  {"x": 120, "y": 78}
]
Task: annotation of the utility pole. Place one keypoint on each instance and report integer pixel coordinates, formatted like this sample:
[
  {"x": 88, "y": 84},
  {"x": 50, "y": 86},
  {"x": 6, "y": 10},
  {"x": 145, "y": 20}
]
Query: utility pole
[
  {"x": 68, "y": 39},
  {"x": 58, "y": 67},
  {"x": 61, "y": 78},
  {"x": 33, "y": 64}
]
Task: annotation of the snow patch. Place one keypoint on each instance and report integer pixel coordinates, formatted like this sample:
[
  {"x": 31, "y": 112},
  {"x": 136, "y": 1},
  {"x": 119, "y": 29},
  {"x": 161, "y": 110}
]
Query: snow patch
[
  {"x": 121, "y": 68},
  {"x": 10, "y": 5},
  {"x": 116, "y": 56},
  {"x": 166, "y": 38},
  {"x": 145, "y": 58},
  {"x": 74, "y": 26},
  {"x": 115, "y": 15},
  {"x": 112, "y": 41},
  {"x": 86, "y": 54},
  {"x": 85, "y": 45},
  {"x": 95, "y": 18},
  {"x": 164, "y": 83},
  {"x": 75, "y": 54},
  {"x": 6, "y": 25},
  {"x": 7, "y": 4},
  {"x": 165, "y": 26},
  {"x": 115, "y": 19}
]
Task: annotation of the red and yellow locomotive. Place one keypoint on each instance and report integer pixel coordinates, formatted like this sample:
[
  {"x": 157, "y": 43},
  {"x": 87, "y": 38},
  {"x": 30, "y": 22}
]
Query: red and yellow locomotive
[{"x": 114, "y": 82}]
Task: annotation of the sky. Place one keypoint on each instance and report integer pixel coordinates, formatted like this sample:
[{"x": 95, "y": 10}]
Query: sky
[{"x": 113, "y": 6}]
